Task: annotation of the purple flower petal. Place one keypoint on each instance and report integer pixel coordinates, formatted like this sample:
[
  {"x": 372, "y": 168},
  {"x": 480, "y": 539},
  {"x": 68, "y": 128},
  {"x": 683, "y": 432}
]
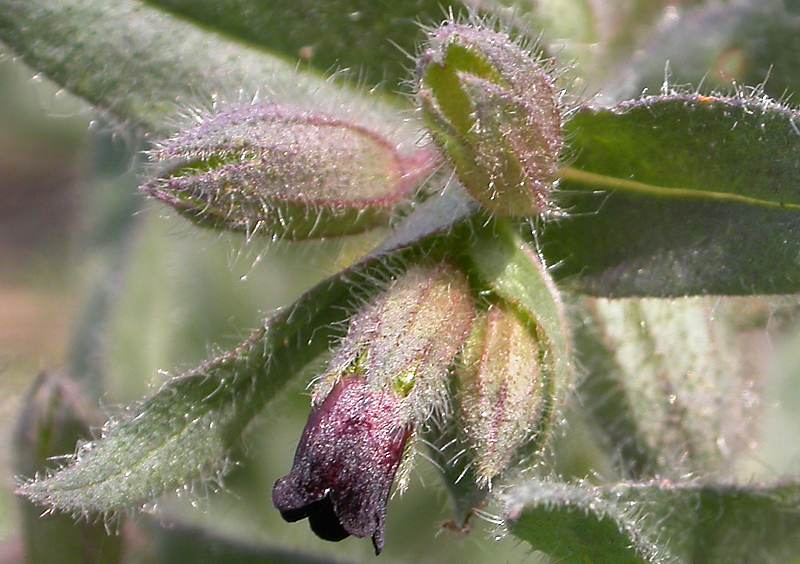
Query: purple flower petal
[{"x": 345, "y": 463}]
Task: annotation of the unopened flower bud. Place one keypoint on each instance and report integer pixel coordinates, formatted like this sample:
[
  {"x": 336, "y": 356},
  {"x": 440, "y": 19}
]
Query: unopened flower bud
[
  {"x": 286, "y": 173},
  {"x": 407, "y": 338},
  {"x": 386, "y": 377},
  {"x": 56, "y": 415},
  {"x": 500, "y": 390},
  {"x": 495, "y": 112}
]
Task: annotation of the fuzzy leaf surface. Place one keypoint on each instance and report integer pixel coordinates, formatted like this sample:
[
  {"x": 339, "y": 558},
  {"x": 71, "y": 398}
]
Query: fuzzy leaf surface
[
  {"x": 145, "y": 65},
  {"x": 680, "y": 194},
  {"x": 658, "y": 521},
  {"x": 185, "y": 431},
  {"x": 670, "y": 383},
  {"x": 372, "y": 39},
  {"x": 743, "y": 42}
]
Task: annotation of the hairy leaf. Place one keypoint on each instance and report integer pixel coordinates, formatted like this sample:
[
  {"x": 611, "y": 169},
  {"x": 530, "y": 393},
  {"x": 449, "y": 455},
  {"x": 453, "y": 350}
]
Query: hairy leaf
[
  {"x": 658, "y": 521},
  {"x": 184, "y": 432},
  {"x": 146, "y": 66},
  {"x": 180, "y": 434},
  {"x": 672, "y": 195},
  {"x": 672, "y": 385},
  {"x": 738, "y": 42},
  {"x": 372, "y": 39}
]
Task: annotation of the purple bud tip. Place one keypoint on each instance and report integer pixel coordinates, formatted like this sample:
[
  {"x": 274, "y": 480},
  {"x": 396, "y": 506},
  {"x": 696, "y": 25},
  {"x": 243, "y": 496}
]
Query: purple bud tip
[{"x": 345, "y": 463}]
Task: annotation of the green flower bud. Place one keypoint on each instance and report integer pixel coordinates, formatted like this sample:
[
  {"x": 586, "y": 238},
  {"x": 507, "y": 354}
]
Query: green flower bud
[
  {"x": 285, "y": 173},
  {"x": 407, "y": 338},
  {"x": 500, "y": 392},
  {"x": 513, "y": 376},
  {"x": 494, "y": 110}
]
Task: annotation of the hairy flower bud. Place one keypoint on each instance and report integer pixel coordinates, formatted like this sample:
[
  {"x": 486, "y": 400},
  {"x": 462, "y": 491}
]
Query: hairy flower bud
[
  {"x": 406, "y": 339},
  {"x": 57, "y": 414},
  {"x": 494, "y": 110},
  {"x": 514, "y": 374},
  {"x": 386, "y": 377},
  {"x": 285, "y": 172},
  {"x": 499, "y": 390}
]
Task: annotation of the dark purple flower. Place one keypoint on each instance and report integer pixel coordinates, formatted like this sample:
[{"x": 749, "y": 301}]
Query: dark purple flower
[{"x": 346, "y": 462}]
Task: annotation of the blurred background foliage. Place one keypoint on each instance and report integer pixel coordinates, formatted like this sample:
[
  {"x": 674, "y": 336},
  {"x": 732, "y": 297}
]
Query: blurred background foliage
[{"x": 98, "y": 283}]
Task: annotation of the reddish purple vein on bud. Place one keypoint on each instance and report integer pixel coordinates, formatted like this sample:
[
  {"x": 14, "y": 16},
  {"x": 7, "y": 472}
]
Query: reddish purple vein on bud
[{"x": 500, "y": 390}]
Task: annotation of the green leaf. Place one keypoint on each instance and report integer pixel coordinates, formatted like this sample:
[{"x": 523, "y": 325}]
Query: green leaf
[
  {"x": 658, "y": 521},
  {"x": 669, "y": 383},
  {"x": 745, "y": 42},
  {"x": 373, "y": 39},
  {"x": 574, "y": 524},
  {"x": 680, "y": 194},
  {"x": 185, "y": 431},
  {"x": 604, "y": 400},
  {"x": 146, "y": 66},
  {"x": 195, "y": 544}
]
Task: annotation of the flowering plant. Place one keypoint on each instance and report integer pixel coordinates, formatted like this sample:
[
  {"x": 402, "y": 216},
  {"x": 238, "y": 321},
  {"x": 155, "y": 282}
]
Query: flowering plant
[{"x": 521, "y": 224}]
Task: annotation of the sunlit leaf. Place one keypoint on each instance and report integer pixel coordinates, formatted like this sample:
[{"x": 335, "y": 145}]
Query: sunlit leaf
[
  {"x": 658, "y": 521},
  {"x": 146, "y": 66},
  {"x": 680, "y": 194}
]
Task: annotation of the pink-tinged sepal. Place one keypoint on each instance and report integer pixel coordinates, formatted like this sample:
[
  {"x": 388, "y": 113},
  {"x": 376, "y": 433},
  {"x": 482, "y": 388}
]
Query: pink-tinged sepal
[{"x": 285, "y": 173}]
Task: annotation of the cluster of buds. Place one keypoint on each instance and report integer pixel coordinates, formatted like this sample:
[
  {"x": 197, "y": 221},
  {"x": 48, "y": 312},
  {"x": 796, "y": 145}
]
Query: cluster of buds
[
  {"x": 426, "y": 335},
  {"x": 492, "y": 108},
  {"x": 494, "y": 111}
]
